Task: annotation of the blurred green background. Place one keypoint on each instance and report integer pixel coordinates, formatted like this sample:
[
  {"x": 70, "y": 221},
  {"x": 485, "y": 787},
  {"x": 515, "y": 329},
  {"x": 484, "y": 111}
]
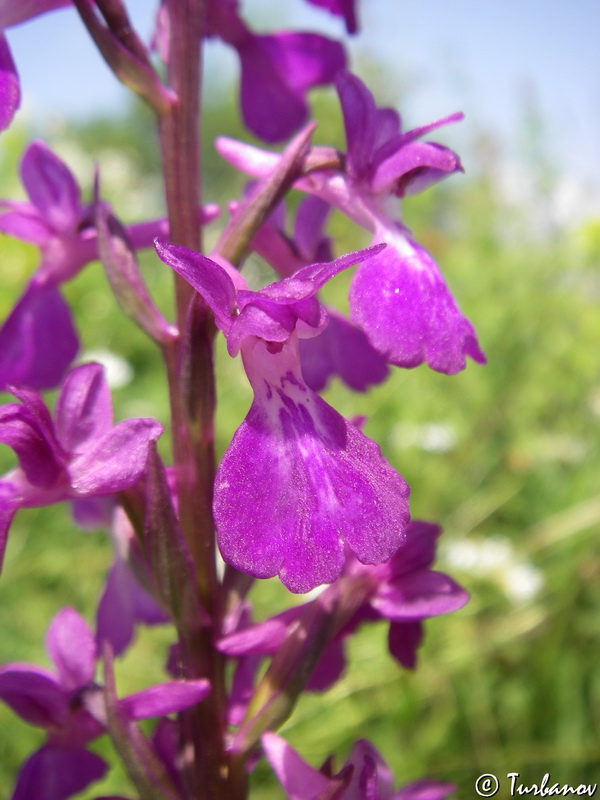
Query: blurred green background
[{"x": 505, "y": 457}]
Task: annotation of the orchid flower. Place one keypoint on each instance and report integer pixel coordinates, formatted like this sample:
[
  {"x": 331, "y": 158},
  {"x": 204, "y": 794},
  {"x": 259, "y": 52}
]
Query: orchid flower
[
  {"x": 277, "y": 70},
  {"x": 404, "y": 591},
  {"x": 364, "y": 776},
  {"x": 38, "y": 341},
  {"x": 298, "y": 482},
  {"x": 68, "y": 704},
  {"x": 399, "y": 297},
  {"x": 79, "y": 454}
]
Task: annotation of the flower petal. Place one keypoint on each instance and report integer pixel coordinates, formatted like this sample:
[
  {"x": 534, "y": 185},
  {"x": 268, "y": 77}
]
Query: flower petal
[
  {"x": 23, "y": 221},
  {"x": 401, "y": 301},
  {"x": 123, "y": 603},
  {"x": 404, "y": 639},
  {"x": 164, "y": 698},
  {"x": 425, "y": 790},
  {"x": 341, "y": 349},
  {"x": 84, "y": 408},
  {"x": 39, "y": 458},
  {"x": 38, "y": 341},
  {"x": 298, "y": 482},
  {"x": 56, "y": 773},
  {"x": 417, "y": 162},
  {"x": 299, "y": 780},
  {"x": 71, "y": 645},
  {"x": 329, "y": 667},
  {"x": 416, "y": 553},
  {"x": 10, "y": 92},
  {"x": 117, "y": 460},
  {"x": 34, "y": 694},
  {"x": 276, "y": 72},
  {"x": 208, "y": 278},
  {"x": 418, "y": 595},
  {"x": 360, "y": 121},
  {"x": 51, "y": 187},
  {"x": 371, "y": 776}
]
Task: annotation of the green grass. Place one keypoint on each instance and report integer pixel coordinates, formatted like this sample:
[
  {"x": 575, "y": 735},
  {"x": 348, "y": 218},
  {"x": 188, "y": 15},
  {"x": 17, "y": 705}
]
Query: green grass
[{"x": 501, "y": 686}]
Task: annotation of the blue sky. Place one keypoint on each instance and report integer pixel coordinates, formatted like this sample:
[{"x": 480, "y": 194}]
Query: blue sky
[{"x": 489, "y": 59}]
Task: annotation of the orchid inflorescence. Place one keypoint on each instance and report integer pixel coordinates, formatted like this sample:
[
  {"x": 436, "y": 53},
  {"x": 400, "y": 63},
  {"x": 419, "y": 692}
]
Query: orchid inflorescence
[{"x": 300, "y": 493}]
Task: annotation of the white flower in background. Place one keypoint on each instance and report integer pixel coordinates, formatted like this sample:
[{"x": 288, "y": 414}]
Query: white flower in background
[
  {"x": 495, "y": 559},
  {"x": 432, "y": 437},
  {"x": 117, "y": 370}
]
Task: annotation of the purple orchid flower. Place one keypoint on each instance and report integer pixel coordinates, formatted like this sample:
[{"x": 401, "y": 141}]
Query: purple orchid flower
[
  {"x": 364, "y": 776},
  {"x": 80, "y": 454},
  {"x": 399, "y": 297},
  {"x": 298, "y": 482},
  {"x": 404, "y": 591},
  {"x": 68, "y": 704},
  {"x": 38, "y": 341},
  {"x": 342, "y": 348},
  {"x": 277, "y": 70}
]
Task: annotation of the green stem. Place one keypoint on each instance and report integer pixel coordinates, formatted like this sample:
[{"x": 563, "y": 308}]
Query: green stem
[{"x": 192, "y": 395}]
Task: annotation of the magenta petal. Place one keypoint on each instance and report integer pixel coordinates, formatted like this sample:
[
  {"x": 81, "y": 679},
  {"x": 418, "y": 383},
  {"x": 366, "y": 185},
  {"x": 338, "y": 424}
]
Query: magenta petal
[
  {"x": 117, "y": 460},
  {"x": 51, "y": 187},
  {"x": 299, "y": 780},
  {"x": 415, "y": 158},
  {"x": 319, "y": 274},
  {"x": 265, "y": 637},
  {"x": 298, "y": 482},
  {"x": 311, "y": 217},
  {"x": 371, "y": 776},
  {"x": 38, "y": 457},
  {"x": 123, "y": 603},
  {"x": 401, "y": 301},
  {"x": 84, "y": 408},
  {"x": 425, "y": 790},
  {"x": 71, "y": 645},
  {"x": 263, "y": 318},
  {"x": 56, "y": 773},
  {"x": 329, "y": 668},
  {"x": 404, "y": 639},
  {"x": 91, "y": 513},
  {"x": 360, "y": 121},
  {"x": 276, "y": 72},
  {"x": 164, "y": 698},
  {"x": 416, "y": 553},
  {"x": 207, "y": 277},
  {"x": 38, "y": 341},
  {"x": 23, "y": 221},
  {"x": 34, "y": 694},
  {"x": 419, "y": 595},
  {"x": 10, "y": 92},
  {"x": 341, "y": 349}
]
